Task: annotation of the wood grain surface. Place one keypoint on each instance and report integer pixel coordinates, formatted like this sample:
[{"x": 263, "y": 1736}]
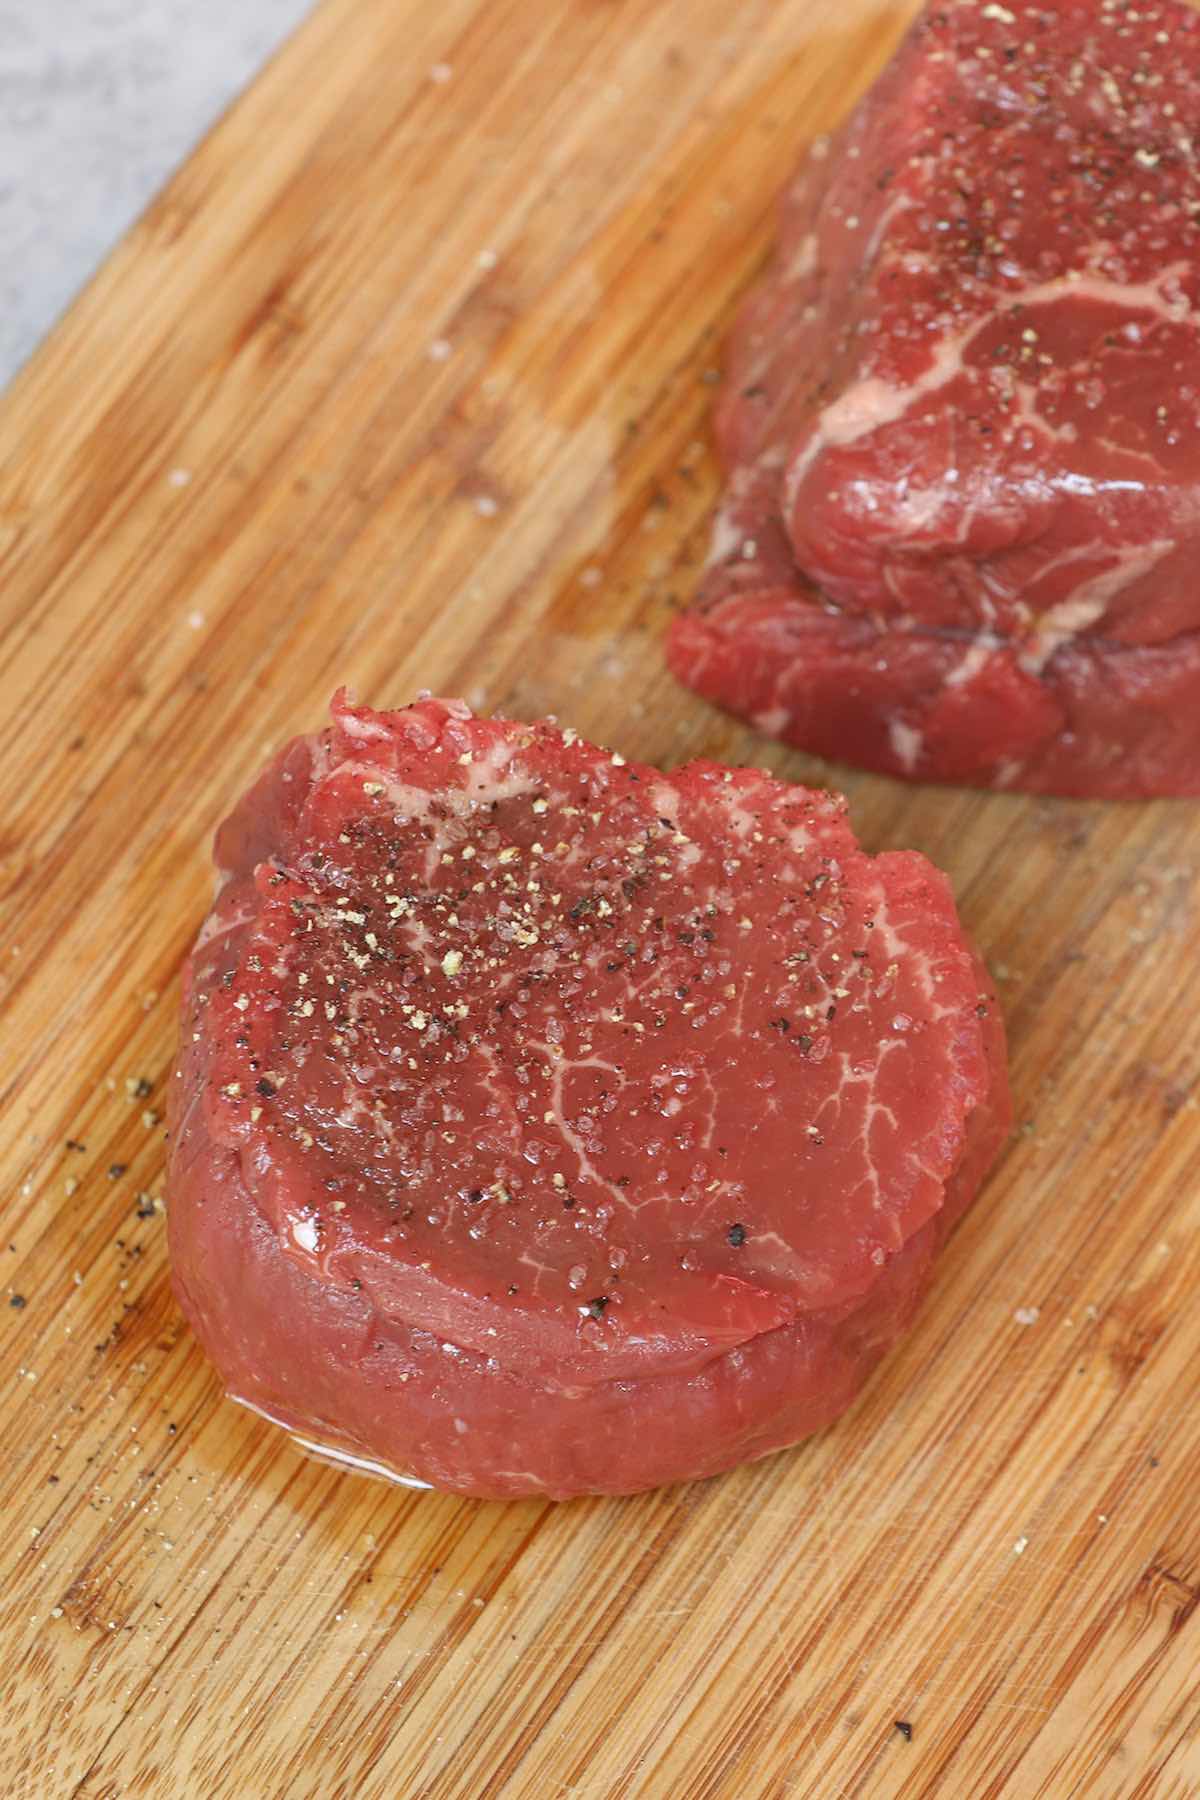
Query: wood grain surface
[{"x": 405, "y": 382}]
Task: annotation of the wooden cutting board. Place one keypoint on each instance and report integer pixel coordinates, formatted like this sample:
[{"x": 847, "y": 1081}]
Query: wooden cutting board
[{"x": 405, "y": 382}]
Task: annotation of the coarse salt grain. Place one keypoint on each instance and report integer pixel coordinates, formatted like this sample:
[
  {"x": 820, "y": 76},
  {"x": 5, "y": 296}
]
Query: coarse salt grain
[{"x": 305, "y": 1233}]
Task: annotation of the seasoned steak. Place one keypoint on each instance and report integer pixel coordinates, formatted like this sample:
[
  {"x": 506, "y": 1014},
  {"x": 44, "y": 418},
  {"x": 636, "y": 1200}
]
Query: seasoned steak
[
  {"x": 962, "y": 418},
  {"x": 547, "y": 1124}
]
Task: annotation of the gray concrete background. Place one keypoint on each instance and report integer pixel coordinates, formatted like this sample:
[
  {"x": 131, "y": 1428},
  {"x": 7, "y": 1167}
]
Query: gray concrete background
[{"x": 99, "y": 101}]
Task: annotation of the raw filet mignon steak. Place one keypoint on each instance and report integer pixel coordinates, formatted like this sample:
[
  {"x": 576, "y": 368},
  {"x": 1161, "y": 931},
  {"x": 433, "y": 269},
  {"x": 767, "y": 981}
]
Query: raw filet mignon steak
[
  {"x": 961, "y": 423},
  {"x": 548, "y": 1125}
]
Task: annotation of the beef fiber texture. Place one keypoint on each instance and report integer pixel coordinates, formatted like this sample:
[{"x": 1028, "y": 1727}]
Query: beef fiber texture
[
  {"x": 961, "y": 422},
  {"x": 545, "y": 1124}
]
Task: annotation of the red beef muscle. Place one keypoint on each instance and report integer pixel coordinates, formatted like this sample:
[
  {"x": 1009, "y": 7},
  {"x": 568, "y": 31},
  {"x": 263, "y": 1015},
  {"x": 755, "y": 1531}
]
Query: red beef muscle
[
  {"x": 545, "y": 1124},
  {"x": 962, "y": 417}
]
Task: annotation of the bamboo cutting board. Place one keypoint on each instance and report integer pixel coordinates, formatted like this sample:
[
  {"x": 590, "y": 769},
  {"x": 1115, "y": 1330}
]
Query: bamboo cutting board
[{"x": 404, "y": 382}]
